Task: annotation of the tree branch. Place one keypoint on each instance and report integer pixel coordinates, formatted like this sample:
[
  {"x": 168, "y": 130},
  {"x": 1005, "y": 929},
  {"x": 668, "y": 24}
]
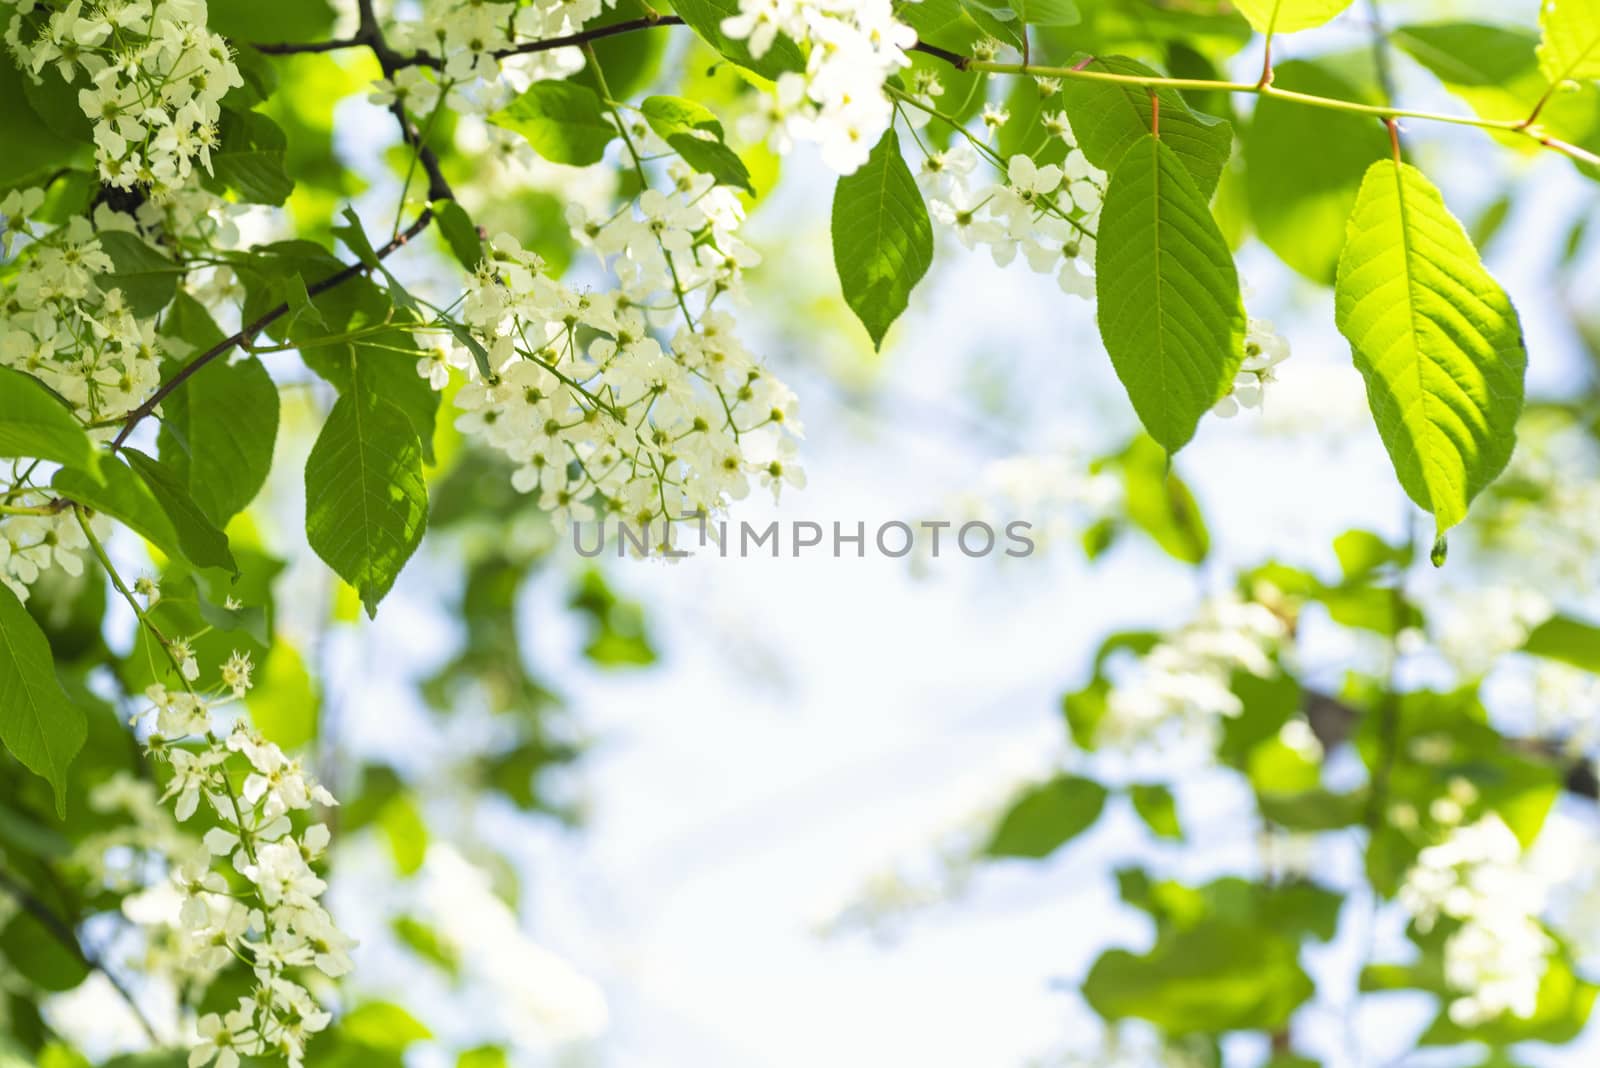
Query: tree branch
[{"x": 244, "y": 333}]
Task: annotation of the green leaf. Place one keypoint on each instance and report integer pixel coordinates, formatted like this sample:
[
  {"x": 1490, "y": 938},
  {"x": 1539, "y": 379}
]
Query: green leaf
[
  {"x": 1435, "y": 337},
  {"x": 1568, "y": 640},
  {"x": 1289, "y": 16},
  {"x": 406, "y": 831},
  {"x": 1048, "y": 816},
  {"x": 202, "y": 542},
  {"x": 1160, "y": 504},
  {"x": 220, "y": 427},
  {"x": 565, "y": 123},
  {"x": 1216, "y": 976},
  {"x": 376, "y": 369},
  {"x": 38, "y": 954},
  {"x": 1569, "y": 49},
  {"x": 1108, "y": 118},
  {"x": 146, "y": 277},
  {"x": 1156, "y": 806},
  {"x": 1047, "y": 12},
  {"x": 694, "y": 133},
  {"x": 39, "y": 724},
  {"x": 366, "y": 504},
  {"x": 35, "y": 425},
  {"x": 1168, "y": 295},
  {"x": 249, "y": 159},
  {"x": 882, "y": 239},
  {"x": 705, "y": 18},
  {"x": 123, "y": 495},
  {"x": 1305, "y": 167},
  {"x": 382, "y": 1025},
  {"x": 460, "y": 233},
  {"x": 34, "y": 147},
  {"x": 282, "y": 20},
  {"x": 1495, "y": 69}
]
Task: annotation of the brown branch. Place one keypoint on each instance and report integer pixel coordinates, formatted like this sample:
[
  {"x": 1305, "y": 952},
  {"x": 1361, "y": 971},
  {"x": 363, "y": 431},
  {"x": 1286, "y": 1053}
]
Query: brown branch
[
  {"x": 295, "y": 48},
  {"x": 62, "y": 932},
  {"x": 245, "y": 333}
]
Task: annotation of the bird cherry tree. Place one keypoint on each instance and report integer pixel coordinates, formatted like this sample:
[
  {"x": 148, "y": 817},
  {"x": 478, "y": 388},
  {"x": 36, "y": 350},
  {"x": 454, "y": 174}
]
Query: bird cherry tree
[{"x": 181, "y": 252}]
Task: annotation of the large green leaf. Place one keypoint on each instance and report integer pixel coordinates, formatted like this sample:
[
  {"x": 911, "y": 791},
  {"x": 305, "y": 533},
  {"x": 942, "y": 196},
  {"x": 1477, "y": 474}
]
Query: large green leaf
[
  {"x": 146, "y": 277},
  {"x": 1435, "y": 337},
  {"x": 39, "y": 725},
  {"x": 565, "y": 123},
  {"x": 705, "y": 18},
  {"x": 1493, "y": 68},
  {"x": 1168, "y": 294},
  {"x": 1110, "y": 117},
  {"x": 35, "y": 425},
  {"x": 882, "y": 239},
  {"x": 1305, "y": 167},
  {"x": 1048, "y": 816},
  {"x": 219, "y": 428},
  {"x": 1216, "y": 976},
  {"x": 1289, "y": 16},
  {"x": 366, "y": 504},
  {"x": 1570, "y": 46}
]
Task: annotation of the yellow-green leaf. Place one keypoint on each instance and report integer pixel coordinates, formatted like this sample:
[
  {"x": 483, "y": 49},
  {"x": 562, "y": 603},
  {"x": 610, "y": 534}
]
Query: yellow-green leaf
[
  {"x": 1570, "y": 46},
  {"x": 1435, "y": 337},
  {"x": 1289, "y": 16}
]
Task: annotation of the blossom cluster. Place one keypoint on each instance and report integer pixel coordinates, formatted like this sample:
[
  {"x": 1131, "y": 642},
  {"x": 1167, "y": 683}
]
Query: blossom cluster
[
  {"x": 599, "y": 411},
  {"x": 472, "y": 44},
  {"x": 60, "y": 324},
  {"x": 151, "y": 77},
  {"x": 1264, "y": 349},
  {"x": 1183, "y": 685},
  {"x": 838, "y": 102},
  {"x": 30, "y": 545},
  {"x": 275, "y": 923},
  {"x": 1496, "y": 956},
  {"x": 1047, "y": 212}
]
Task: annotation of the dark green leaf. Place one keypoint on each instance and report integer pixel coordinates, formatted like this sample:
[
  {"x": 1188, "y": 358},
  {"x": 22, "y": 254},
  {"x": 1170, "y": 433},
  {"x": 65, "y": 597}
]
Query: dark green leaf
[
  {"x": 146, "y": 277},
  {"x": 249, "y": 159},
  {"x": 366, "y": 504},
  {"x": 203, "y": 544},
  {"x": 39, "y": 724},
  {"x": 35, "y": 425}
]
